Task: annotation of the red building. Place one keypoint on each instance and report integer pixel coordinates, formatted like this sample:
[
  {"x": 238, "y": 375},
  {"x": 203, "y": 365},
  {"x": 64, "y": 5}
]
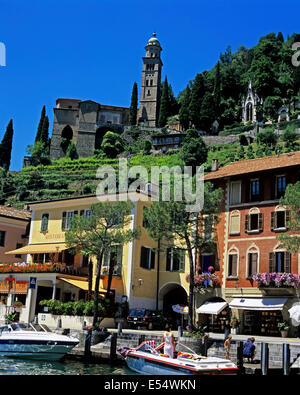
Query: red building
[{"x": 246, "y": 244}]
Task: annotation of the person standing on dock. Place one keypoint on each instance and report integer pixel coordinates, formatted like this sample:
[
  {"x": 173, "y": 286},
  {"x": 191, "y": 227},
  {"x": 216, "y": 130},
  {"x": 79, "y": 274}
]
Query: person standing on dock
[
  {"x": 227, "y": 345},
  {"x": 168, "y": 339}
]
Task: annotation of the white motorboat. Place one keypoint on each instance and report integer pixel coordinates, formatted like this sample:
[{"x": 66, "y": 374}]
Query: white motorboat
[
  {"x": 33, "y": 341},
  {"x": 148, "y": 359}
]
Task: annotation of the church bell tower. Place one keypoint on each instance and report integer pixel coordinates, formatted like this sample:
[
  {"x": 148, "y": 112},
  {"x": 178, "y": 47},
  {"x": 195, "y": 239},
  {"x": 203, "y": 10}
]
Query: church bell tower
[{"x": 150, "y": 88}]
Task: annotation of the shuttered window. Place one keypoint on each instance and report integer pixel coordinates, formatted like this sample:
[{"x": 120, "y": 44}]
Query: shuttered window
[
  {"x": 252, "y": 263},
  {"x": 235, "y": 192},
  {"x": 254, "y": 222},
  {"x": 44, "y": 223},
  {"x": 280, "y": 262},
  {"x": 232, "y": 265},
  {"x": 280, "y": 219},
  {"x": 235, "y": 223}
]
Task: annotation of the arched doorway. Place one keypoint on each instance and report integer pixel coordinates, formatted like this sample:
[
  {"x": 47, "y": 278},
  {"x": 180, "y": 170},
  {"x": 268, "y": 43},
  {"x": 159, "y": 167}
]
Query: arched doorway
[
  {"x": 170, "y": 295},
  {"x": 66, "y": 137},
  {"x": 249, "y": 112}
]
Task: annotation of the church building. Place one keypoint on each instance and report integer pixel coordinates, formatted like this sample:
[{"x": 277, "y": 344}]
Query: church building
[{"x": 85, "y": 122}]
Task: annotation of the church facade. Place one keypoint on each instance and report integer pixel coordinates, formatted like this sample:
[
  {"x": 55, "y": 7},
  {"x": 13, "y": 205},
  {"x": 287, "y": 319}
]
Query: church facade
[{"x": 85, "y": 122}]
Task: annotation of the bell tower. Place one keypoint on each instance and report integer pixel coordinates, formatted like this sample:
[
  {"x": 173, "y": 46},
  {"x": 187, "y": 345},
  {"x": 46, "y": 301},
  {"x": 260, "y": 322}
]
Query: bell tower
[{"x": 150, "y": 87}]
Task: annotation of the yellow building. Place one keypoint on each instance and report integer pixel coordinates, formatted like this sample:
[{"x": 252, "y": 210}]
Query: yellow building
[{"x": 135, "y": 263}]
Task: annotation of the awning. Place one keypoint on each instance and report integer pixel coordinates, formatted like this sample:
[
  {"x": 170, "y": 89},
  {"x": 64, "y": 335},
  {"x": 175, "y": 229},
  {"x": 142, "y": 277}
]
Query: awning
[
  {"x": 211, "y": 307},
  {"x": 39, "y": 249},
  {"x": 84, "y": 285},
  {"x": 259, "y": 304}
]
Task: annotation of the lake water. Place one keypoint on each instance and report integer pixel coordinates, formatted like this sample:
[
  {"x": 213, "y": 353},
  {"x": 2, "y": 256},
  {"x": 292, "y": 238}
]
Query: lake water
[{"x": 10, "y": 366}]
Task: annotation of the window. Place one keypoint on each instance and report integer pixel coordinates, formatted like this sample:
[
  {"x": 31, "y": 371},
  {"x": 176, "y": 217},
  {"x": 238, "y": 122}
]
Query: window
[
  {"x": 235, "y": 223},
  {"x": 280, "y": 186},
  {"x": 113, "y": 258},
  {"x": 232, "y": 265},
  {"x": 280, "y": 262},
  {"x": 254, "y": 190},
  {"x": 254, "y": 221},
  {"x": 44, "y": 223},
  {"x": 18, "y": 245},
  {"x": 175, "y": 260},
  {"x": 151, "y": 82},
  {"x": 279, "y": 219},
  {"x": 67, "y": 217},
  {"x": 149, "y": 92},
  {"x": 147, "y": 258},
  {"x": 252, "y": 263},
  {"x": 2, "y": 238},
  {"x": 235, "y": 192}
]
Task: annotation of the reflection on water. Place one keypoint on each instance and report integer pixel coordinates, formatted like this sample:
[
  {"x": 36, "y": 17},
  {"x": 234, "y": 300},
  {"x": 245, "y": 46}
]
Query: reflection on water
[{"x": 9, "y": 366}]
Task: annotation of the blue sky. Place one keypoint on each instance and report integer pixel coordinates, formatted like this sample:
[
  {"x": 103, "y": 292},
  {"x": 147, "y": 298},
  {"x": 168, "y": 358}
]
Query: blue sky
[{"x": 92, "y": 49}]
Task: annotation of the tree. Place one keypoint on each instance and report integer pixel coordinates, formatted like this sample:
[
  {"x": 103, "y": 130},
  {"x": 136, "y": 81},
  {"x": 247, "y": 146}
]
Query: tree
[
  {"x": 291, "y": 201},
  {"x": 6, "y": 146},
  {"x": 193, "y": 151},
  {"x": 267, "y": 137},
  {"x": 133, "y": 105},
  {"x": 40, "y": 126},
  {"x": 164, "y": 105},
  {"x": 171, "y": 221},
  {"x": 106, "y": 227},
  {"x": 290, "y": 136},
  {"x": 184, "y": 109},
  {"x": 45, "y": 132},
  {"x": 197, "y": 93},
  {"x": 217, "y": 89},
  {"x": 112, "y": 144}
]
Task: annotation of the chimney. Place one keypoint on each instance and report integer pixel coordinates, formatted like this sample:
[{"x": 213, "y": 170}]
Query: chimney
[{"x": 215, "y": 164}]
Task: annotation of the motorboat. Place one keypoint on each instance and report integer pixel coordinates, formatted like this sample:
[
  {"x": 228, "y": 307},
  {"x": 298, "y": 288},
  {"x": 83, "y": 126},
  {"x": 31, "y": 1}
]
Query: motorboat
[
  {"x": 148, "y": 359},
  {"x": 34, "y": 341}
]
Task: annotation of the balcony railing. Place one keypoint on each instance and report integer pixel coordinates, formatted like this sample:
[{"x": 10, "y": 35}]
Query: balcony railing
[
  {"x": 205, "y": 280},
  {"x": 40, "y": 268},
  {"x": 277, "y": 280}
]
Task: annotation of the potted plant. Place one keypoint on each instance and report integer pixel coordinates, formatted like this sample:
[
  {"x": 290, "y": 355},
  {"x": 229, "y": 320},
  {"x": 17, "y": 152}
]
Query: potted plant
[
  {"x": 234, "y": 323},
  {"x": 18, "y": 305},
  {"x": 283, "y": 328}
]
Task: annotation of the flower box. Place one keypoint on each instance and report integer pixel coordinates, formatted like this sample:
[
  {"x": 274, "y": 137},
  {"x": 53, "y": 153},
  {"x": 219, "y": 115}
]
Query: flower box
[{"x": 277, "y": 280}]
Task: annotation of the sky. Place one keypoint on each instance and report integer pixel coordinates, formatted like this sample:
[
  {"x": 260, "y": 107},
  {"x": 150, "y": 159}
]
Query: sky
[{"x": 93, "y": 49}]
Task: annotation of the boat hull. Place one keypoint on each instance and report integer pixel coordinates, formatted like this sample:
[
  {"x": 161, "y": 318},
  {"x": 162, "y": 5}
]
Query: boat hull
[
  {"x": 40, "y": 350},
  {"x": 153, "y": 367}
]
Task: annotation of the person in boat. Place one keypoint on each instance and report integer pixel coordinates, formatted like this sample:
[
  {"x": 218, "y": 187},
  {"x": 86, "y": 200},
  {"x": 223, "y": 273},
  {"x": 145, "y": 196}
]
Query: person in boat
[
  {"x": 168, "y": 339},
  {"x": 227, "y": 345},
  {"x": 249, "y": 349}
]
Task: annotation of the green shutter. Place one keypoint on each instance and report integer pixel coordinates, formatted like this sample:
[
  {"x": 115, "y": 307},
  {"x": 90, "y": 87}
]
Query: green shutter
[
  {"x": 152, "y": 259},
  {"x": 287, "y": 262},
  {"x": 272, "y": 262},
  {"x": 273, "y": 220},
  {"x": 247, "y": 222},
  {"x": 64, "y": 220},
  {"x": 260, "y": 222},
  {"x": 168, "y": 260}
]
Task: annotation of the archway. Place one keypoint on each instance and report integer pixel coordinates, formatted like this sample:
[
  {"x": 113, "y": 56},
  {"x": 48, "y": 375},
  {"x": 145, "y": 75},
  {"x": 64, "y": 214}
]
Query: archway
[
  {"x": 169, "y": 295},
  {"x": 249, "y": 112},
  {"x": 66, "y": 137}
]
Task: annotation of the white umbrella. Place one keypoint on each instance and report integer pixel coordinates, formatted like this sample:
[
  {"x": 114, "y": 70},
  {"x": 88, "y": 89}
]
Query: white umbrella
[{"x": 294, "y": 312}]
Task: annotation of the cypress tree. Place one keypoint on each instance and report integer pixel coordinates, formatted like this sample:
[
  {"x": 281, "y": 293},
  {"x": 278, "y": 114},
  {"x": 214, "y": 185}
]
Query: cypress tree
[
  {"x": 40, "y": 127},
  {"x": 197, "y": 93},
  {"x": 6, "y": 146},
  {"x": 217, "y": 90},
  {"x": 184, "y": 109},
  {"x": 44, "y": 138},
  {"x": 164, "y": 105},
  {"x": 133, "y": 105}
]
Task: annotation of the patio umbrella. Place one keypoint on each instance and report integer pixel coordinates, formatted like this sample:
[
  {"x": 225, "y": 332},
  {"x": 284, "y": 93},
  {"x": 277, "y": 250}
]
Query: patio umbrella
[
  {"x": 180, "y": 309},
  {"x": 294, "y": 312}
]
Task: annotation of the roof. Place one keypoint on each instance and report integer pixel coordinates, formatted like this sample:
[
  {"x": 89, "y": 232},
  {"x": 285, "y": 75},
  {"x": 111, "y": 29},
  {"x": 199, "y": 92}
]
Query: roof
[
  {"x": 12, "y": 212},
  {"x": 255, "y": 165}
]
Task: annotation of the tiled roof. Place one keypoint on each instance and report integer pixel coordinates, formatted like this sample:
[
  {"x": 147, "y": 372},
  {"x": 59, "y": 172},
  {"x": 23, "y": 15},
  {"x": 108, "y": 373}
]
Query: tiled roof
[
  {"x": 255, "y": 165},
  {"x": 14, "y": 213}
]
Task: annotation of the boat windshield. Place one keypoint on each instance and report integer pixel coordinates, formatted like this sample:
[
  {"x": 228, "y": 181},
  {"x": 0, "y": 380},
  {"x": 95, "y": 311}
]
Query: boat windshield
[{"x": 19, "y": 327}]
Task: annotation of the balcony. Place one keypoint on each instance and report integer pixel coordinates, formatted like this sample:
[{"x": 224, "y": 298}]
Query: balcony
[
  {"x": 277, "y": 283},
  {"x": 40, "y": 268},
  {"x": 205, "y": 281}
]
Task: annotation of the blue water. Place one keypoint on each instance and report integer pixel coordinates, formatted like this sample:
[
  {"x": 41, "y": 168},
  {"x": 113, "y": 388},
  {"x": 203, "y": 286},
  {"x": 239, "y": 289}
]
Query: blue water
[{"x": 10, "y": 366}]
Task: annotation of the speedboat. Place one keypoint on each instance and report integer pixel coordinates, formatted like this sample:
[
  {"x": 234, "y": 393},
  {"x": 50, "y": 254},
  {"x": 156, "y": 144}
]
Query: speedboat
[
  {"x": 148, "y": 359},
  {"x": 33, "y": 341}
]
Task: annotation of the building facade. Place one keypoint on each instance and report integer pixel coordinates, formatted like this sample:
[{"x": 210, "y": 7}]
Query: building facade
[
  {"x": 247, "y": 244},
  {"x": 63, "y": 276},
  {"x": 85, "y": 123}
]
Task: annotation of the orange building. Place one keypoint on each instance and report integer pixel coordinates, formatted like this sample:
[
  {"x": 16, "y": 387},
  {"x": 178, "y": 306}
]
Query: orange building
[
  {"x": 250, "y": 221},
  {"x": 14, "y": 233}
]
